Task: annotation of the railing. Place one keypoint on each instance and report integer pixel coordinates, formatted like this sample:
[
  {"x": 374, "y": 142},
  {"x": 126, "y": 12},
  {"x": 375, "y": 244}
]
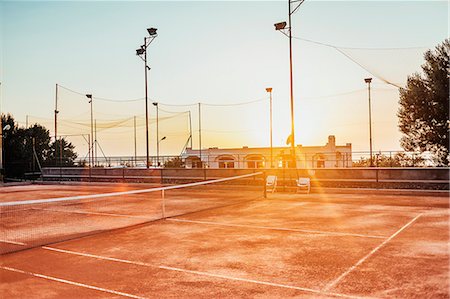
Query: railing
[{"x": 304, "y": 160}]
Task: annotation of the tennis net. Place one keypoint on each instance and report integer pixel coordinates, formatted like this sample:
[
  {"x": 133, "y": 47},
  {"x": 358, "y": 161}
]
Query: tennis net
[{"x": 33, "y": 222}]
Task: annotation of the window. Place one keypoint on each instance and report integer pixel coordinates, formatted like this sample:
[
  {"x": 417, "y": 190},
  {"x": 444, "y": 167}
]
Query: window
[
  {"x": 226, "y": 161},
  {"x": 255, "y": 161}
]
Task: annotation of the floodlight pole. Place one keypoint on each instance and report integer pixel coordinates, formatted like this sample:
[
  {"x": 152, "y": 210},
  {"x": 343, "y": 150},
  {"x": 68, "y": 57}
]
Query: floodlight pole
[
  {"x": 143, "y": 51},
  {"x": 200, "y": 133},
  {"x": 281, "y": 27},
  {"x": 135, "y": 151},
  {"x": 91, "y": 148},
  {"x": 146, "y": 107},
  {"x": 56, "y": 118},
  {"x": 368, "y": 81},
  {"x": 157, "y": 130},
  {"x": 159, "y": 140},
  {"x": 269, "y": 90},
  {"x": 291, "y": 79}
]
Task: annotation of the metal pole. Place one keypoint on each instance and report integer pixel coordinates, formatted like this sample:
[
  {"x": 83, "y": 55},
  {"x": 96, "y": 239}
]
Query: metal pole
[
  {"x": 271, "y": 143},
  {"x": 200, "y": 132},
  {"x": 368, "y": 81},
  {"x": 190, "y": 127},
  {"x": 56, "y": 119},
  {"x": 60, "y": 151},
  {"x": 95, "y": 142},
  {"x": 34, "y": 150},
  {"x": 90, "y": 158},
  {"x": 1, "y": 149},
  {"x": 135, "y": 147},
  {"x": 291, "y": 88},
  {"x": 92, "y": 132},
  {"x": 163, "y": 198},
  {"x": 157, "y": 132},
  {"x": 56, "y": 112},
  {"x": 146, "y": 105}
]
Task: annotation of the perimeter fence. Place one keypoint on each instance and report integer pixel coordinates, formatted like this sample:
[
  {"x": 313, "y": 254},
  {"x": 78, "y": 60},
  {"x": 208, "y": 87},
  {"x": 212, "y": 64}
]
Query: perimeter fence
[{"x": 247, "y": 159}]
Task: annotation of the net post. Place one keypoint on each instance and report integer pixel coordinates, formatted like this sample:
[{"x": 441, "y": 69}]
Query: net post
[
  {"x": 163, "y": 198},
  {"x": 264, "y": 184}
]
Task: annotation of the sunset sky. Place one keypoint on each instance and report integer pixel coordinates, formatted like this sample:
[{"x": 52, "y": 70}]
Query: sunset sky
[{"x": 216, "y": 53}]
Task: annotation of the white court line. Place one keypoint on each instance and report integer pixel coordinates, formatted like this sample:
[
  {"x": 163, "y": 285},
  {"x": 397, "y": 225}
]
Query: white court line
[
  {"x": 257, "y": 282},
  {"x": 196, "y": 272},
  {"x": 333, "y": 283},
  {"x": 100, "y": 257},
  {"x": 13, "y": 242},
  {"x": 72, "y": 283},
  {"x": 93, "y": 213},
  {"x": 277, "y": 228}
]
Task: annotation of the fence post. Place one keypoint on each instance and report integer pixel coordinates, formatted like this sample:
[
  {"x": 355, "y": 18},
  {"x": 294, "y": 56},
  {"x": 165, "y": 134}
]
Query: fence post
[
  {"x": 163, "y": 198},
  {"x": 264, "y": 184}
]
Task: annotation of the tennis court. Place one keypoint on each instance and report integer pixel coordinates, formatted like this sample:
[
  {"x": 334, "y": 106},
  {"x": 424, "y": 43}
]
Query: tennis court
[{"x": 226, "y": 241}]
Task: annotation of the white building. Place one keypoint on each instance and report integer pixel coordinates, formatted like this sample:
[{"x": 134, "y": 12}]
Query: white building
[{"x": 328, "y": 156}]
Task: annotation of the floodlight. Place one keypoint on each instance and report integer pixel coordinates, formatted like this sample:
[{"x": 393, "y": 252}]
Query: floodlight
[
  {"x": 155, "y": 104},
  {"x": 164, "y": 138},
  {"x": 269, "y": 89},
  {"x": 368, "y": 80},
  {"x": 139, "y": 51},
  {"x": 280, "y": 26},
  {"x": 152, "y": 31},
  {"x": 89, "y": 96}
]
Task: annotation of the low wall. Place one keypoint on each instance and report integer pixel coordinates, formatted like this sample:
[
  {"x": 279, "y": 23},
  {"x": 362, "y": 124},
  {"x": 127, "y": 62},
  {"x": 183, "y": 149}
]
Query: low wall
[{"x": 411, "y": 178}]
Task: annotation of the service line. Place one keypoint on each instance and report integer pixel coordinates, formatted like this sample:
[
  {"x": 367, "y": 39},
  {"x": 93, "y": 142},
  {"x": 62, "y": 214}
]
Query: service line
[{"x": 276, "y": 228}]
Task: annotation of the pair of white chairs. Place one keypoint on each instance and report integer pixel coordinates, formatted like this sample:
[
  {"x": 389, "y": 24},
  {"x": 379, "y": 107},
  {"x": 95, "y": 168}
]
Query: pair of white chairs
[{"x": 302, "y": 183}]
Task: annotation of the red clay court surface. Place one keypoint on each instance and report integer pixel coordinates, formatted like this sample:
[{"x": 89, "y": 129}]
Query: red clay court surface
[{"x": 315, "y": 245}]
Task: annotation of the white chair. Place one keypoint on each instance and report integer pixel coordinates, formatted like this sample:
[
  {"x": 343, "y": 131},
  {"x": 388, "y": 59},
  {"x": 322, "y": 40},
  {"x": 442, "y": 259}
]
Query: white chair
[
  {"x": 271, "y": 182},
  {"x": 304, "y": 184}
]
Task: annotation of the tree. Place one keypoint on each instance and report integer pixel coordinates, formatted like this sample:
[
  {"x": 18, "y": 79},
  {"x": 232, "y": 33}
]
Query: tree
[
  {"x": 175, "y": 162},
  {"x": 61, "y": 153},
  {"x": 424, "y": 106},
  {"x": 25, "y": 149},
  {"x": 397, "y": 160}
]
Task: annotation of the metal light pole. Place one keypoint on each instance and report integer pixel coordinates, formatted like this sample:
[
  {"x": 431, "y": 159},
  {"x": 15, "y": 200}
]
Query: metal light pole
[
  {"x": 135, "y": 147},
  {"x": 142, "y": 51},
  {"x": 91, "y": 148},
  {"x": 368, "y": 81},
  {"x": 281, "y": 27},
  {"x": 157, "y": 131},
  {"x": 200, "y": 133},
  {"x": 56, "y": 112},
  {"x": 159, "y": 140},
  {"x": 269, "y": 90}
]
